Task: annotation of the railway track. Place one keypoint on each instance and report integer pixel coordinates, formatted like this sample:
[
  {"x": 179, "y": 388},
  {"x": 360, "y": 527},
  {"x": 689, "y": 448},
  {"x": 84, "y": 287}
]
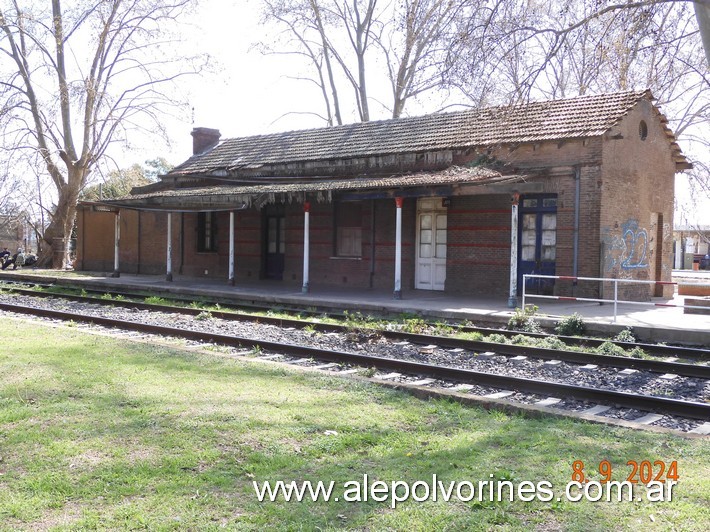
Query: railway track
[
  {"x": 432, "y": 374},
  {"x": 679, "y": 352}
]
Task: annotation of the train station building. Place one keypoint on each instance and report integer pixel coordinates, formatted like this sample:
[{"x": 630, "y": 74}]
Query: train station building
[{"x": 463, "y": 202}]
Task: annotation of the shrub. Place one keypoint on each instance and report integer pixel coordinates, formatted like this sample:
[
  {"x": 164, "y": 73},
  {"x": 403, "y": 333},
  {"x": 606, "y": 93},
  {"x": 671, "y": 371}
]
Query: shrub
[
  {"x": 637, "y": 352},
  {"x": 627, "y": 335},
  {"x": 521, "y": 339},
  {"x": 524, "y": 320},
  {"x": 571, "y": 326},
  {"x": 552, "y": 342},
  {"x": 610, "y": 348},
  {"x": 496, "y": 338},
  {"x": 204, "y": 315},
  {"x": 414, "y": 325}
]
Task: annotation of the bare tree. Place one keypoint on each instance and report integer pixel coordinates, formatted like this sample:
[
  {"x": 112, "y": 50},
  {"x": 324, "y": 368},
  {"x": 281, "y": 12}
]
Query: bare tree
[
  {"x": 348, "y": 43},
  {"x": 76, "y": 80}
]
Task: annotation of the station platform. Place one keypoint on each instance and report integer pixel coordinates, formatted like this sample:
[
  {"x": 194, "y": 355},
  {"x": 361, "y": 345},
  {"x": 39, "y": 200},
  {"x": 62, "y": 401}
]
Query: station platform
[{"x": 649, "y": 323}]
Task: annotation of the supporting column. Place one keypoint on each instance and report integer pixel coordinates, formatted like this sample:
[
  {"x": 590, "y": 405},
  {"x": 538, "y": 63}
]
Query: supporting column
[
  {"x": 513, "y": 295},
  {"x": 306, "y": 245},
  {"x": 169, "y": 259},
  {"x": 116, "y": 240},
  {"x": 398, "y": 250},
  {"x": 231, "y": 248}
]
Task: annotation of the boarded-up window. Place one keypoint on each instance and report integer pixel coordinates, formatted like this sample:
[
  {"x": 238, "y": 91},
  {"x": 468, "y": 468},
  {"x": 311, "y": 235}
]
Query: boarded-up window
[
  {"x": 206, "y": 232},
  {"x": 348, "y": 229}
]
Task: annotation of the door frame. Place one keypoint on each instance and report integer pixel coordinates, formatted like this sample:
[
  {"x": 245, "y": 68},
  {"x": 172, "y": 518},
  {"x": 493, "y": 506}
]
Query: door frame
[
  {"x": 538, "y": 210},
  {"x": 278, "y": 212},
  {"x": 429, "y": 205}
]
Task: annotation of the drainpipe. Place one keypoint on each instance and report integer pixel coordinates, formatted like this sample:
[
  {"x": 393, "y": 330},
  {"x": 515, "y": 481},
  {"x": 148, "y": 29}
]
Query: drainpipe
[
  {"x": 231, "y": 248},
  {"x": 182, "y": 242},
  {"x": 372, "y": 243},
  {"x": 575, "y": 239},
  {"x": 169, "y": 249},
  {"x": 116, "y": 244},
  {"x": 138, "y": 266},
  {"x": 306, "y": 246}
]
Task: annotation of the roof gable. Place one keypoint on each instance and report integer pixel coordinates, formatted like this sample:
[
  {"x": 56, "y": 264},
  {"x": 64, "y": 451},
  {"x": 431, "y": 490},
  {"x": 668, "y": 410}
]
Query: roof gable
[{"x": 580, "y": 117}]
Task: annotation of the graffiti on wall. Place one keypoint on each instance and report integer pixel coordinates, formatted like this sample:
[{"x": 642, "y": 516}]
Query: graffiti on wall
[{"x": 626, "y": 247}]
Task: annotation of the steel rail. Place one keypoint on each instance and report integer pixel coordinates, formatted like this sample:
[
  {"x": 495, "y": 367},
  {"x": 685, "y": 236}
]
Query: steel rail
[
  {"x": 624, "y": 399},
  {"x": 575, "y": 357},
  {"x": 584, "y": 341}
]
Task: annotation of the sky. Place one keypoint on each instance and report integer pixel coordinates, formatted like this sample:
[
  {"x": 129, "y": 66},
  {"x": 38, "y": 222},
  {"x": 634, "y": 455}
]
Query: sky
[{"x": 248, "y": 93}]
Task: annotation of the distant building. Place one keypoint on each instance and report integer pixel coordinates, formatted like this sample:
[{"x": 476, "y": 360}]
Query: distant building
[
  {"x": 691, "y": 241},
  {"x": 464, "y": 202},
  {"x": 13, "y": 233}
]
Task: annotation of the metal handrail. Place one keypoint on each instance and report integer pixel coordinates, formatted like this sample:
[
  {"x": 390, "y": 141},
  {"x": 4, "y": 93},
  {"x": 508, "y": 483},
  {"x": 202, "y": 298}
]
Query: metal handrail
[{"x": 615, "y": 301}]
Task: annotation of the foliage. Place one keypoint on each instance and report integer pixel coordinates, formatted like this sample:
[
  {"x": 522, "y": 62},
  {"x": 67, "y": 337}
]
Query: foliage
[
  {"x": 204, "y": 315},
  {"x": 166, "y": 440},
  {"x": 522, "y": 339},
  {"x": 571, "y": 326},
  {"x": 78, "y": 77},
  {"x": 120, "y": 182},
  {"x": 627, "y": 335},
  {"x": 524, "y": 320},
  {"x": 496, "y": 338},
  {"x": 552, "y": 342},
  {"x": 637, "y": 352},
  {"x": 611, "y": 349},
  {"x": 415, "y": 325}
]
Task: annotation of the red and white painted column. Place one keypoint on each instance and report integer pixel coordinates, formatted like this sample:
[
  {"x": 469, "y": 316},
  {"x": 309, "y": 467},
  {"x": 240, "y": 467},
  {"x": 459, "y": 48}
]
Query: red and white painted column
[
  {"x": 513, "y": 294},
  {"x": 116, "y": 243},
  {"x": 231, "y": 248},
  {"x": 398, "y": 250},
  {"x": 169, "y": 250},
  {"x": 306, "y": 245}
]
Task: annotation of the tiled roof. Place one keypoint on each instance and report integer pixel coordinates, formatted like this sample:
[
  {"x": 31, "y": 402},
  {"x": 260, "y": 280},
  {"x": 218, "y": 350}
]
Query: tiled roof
[
  {"x": 198, "y": 197},
  {"x": 584, "y": 116}
]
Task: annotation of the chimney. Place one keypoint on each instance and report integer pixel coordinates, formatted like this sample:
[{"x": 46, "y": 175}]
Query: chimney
[{"x": 204, "y": 138}]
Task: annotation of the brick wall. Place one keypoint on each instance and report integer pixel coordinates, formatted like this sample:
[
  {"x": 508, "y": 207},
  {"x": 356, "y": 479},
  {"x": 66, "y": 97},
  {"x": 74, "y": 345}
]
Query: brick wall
[
  {"x": 637, "y": 190},
  {"x": 626, "y": 192},
  {"x": 478, "y": 245}
]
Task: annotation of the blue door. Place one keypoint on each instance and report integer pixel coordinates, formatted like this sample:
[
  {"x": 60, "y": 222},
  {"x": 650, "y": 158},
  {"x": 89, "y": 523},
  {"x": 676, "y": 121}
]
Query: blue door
[{"x": 537, "y": 242}]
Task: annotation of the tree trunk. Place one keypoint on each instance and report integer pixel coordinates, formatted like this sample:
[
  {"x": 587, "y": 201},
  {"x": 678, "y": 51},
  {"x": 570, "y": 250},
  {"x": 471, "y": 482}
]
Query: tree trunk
[{"x": 59, "y": 230}]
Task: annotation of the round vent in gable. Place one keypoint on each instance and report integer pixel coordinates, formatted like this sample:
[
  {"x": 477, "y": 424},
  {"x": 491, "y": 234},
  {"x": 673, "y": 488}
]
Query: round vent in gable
[{"x": 643, "y": 130}]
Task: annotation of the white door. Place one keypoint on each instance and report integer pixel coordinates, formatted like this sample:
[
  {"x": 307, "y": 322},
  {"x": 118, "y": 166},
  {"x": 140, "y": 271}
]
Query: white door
[{"x": 430, "y": 271}]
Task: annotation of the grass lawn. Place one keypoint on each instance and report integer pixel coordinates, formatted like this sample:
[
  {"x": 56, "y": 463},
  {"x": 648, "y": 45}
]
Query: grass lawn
[{"x": 102, "y": 433}]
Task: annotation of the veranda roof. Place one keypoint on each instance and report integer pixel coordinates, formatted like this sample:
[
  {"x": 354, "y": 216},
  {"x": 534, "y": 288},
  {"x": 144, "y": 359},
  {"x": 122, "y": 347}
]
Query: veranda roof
[{"x": 451, "y": 181}]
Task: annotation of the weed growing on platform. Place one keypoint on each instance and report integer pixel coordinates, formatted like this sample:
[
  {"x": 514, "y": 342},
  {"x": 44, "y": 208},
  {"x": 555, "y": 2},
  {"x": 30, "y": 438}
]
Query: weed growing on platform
[
  {"x": 611, "y": 349},
  {"x": 627, "y": 335},
  {"x": 521, "y": 339},
  {"x": 473, "y": 336},
  {"x": 496, "y": 338},
  {"x": 155, "y": 300},
  {"x": 638, "y": 352},
  {"x": 553, "y": 342},
  {"x": 571, "y": 326},
  {"x": 415, "y": 326},
  {"x": 442, "y": 328},
  {"x": 524, "y": 320}
]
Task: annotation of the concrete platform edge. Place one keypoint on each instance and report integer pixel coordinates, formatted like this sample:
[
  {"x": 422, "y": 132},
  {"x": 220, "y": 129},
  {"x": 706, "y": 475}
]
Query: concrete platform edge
[{"x": 163, "y": 288}]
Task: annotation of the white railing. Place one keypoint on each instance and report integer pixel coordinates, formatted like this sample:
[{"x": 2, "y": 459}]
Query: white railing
[{"x": 615, "y": 301}]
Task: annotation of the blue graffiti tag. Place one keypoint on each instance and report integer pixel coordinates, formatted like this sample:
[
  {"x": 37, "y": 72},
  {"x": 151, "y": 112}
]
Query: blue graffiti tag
[{"x": 635, "y": 241}]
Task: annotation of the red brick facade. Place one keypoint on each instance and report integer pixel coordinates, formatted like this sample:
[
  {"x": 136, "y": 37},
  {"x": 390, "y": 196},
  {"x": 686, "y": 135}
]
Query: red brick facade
[{"x": 625, "y": 216}]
